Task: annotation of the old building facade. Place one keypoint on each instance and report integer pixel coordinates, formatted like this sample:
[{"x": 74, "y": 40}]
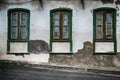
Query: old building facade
[{"x": 31, "y": 30}]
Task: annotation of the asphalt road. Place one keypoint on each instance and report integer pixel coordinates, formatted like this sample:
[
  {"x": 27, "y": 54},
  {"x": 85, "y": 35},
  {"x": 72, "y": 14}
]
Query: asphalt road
[{"x": 22, "y": 73}]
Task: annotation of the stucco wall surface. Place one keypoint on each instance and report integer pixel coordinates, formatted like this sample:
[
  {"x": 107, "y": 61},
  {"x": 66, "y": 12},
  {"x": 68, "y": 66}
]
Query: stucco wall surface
[{"x": 82, "y": 25}]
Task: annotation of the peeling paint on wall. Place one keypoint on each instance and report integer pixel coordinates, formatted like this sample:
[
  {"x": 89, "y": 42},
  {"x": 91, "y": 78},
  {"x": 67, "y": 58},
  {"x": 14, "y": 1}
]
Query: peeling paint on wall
[
  {"x": 86, "y": 57},
  {"x": 38, "y": 47},
  {"x": 82, "y": 25}
]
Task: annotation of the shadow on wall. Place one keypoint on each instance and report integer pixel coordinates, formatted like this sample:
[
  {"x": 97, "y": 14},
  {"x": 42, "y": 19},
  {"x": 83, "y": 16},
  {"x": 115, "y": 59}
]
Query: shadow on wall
[
  {"x": 5, "y": 3},
  {"x": 2, "y": 5}
]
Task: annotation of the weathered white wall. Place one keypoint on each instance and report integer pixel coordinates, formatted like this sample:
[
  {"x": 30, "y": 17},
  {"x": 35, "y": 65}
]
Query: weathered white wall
[
  {"x": 82, "y": 25},
  {"x": 16, "y": 47},
  {"x": 30, "y": 58},
  {"x": 61, "y": 47},
  {"x": 82, "y": 20},
  {"x": 106, "y": 47},
  {"x": 3, "y": 32},
  {"x": 39, "y": 30},
  {"x": 118, "y": 28}
]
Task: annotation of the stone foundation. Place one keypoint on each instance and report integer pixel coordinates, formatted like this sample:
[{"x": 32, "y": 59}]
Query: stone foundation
[
  {"x": 68, "y": 59},
  {"x": 86, "y": 57}
]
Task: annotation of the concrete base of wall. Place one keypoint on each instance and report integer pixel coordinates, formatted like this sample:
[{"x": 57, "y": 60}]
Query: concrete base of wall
[{"x": 36, "y": 58}]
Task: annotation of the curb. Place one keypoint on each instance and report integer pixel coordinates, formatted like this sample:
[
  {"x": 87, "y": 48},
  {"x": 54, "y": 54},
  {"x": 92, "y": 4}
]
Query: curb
[{"x": 55, "y": 67}]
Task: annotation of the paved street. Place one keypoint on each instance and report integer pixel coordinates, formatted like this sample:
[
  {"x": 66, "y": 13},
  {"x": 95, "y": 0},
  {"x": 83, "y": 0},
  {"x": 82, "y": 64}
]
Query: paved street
[{"x": 22, "y": 73}]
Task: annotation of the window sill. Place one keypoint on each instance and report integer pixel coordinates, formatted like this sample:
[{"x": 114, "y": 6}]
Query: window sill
[
  {"x": 104, "y": 40},
  {"x": 69, "y": 53},
  {"x": 110, "y": 53},
  {"x": 60, "y": 40},
  {"x": 18, "y": 53},
  {"x": 18, "y": 40}
]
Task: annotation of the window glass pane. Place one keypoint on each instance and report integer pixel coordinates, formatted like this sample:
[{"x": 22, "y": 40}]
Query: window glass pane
[
  {"x": 56, "y": 32},
  {"x": 99, "y": 25},
  {"x": 24, "y": 32},
  {"x": 23, "y": 26},
  {"x": 109, "y": 25},
  {"x": 14, "y": 32},
  {"x": 14, "y": 19},
  {"x": 99, "y": 18},
  {"x": 14, "y": 25},
  {"x": 65, "y": 32},
  {"x": 23, "y": 19},
  {"x": 65, "y": 26},
  {"x": 65, "y": 19},
  {"x": 56, "y": 19}
]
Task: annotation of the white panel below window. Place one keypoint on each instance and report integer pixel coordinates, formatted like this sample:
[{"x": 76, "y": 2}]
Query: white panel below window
[
  {"x": 60, "y": 47},
  {"x": 104, "y": 47},
  {"x": 18, "y": 47}
]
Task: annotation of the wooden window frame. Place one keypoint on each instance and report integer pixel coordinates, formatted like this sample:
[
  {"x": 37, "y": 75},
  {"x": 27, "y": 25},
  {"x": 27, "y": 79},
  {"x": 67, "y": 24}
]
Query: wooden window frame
[
  {"x": 70, "y": 27},
  {"x": 104, "y": 12},
  {"x": 19, "y": 37},
  {"x": 9, "y": 40},
  {"x": 61, "y": 39},
  {"x": 114, "y": 28}
]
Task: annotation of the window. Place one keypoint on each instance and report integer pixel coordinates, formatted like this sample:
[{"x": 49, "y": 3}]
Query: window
[
  {"x": 18, "y": 30},
  {"x": 61, "y": 26},
  {"x": 104, "y": 30},
  {"x": 104, "y": 25},
  {"x": 18, "y": 24}
]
